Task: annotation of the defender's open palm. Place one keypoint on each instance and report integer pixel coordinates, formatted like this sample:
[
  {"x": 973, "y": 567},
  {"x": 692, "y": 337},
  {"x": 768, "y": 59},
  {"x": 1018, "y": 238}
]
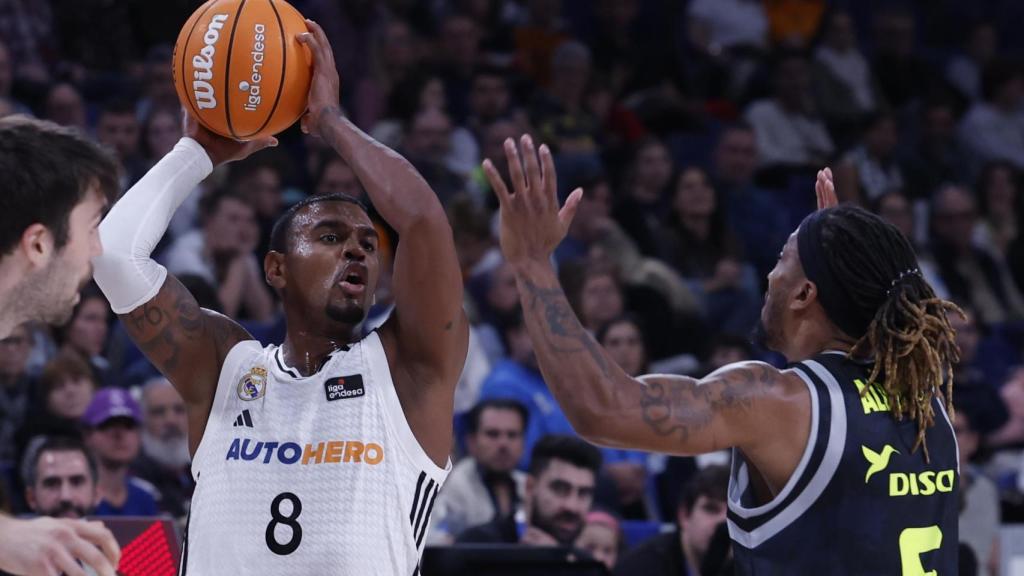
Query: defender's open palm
[{"x": 532, "y": 224}]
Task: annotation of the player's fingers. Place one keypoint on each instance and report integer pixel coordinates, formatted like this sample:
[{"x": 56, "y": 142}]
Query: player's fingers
[
  {"x": 818, "y": 190},
  {"x": 91, "y": 556},
  {"x": 98, "y": 534},
  {"x": 515, "y": 168},
  {"x": 65, "y": 563},
  {"x": 497, "y": 183},
  {"x": 828, "y": 174},
  {"x": 535, "y": 189},
  {"x": 323, "y": 44},
  {"x": 548, "y": 175},
  {"x": 572, "y": 203}
]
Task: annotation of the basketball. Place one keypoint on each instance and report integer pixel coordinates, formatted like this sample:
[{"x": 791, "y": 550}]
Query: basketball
[{"x": 240, "y": 69}]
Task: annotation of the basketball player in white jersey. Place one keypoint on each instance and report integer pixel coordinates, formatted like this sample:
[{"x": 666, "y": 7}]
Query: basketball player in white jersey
[{"x": 323, "y": 455}]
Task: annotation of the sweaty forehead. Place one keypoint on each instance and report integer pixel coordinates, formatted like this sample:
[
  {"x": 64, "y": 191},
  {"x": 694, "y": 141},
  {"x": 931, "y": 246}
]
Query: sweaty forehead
[{"x": 344, "y": 212}]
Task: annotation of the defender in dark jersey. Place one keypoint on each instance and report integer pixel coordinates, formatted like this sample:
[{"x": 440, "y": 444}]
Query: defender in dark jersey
[{"x": 844, "y": 463}]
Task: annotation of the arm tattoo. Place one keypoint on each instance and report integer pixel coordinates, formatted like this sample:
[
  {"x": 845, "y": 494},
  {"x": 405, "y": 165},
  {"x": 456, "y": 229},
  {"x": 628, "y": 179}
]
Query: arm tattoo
[
  {"x": 681, "y": 407},
  {"x": 171, "y": 328},
  {"x": 561, "y": 321}
]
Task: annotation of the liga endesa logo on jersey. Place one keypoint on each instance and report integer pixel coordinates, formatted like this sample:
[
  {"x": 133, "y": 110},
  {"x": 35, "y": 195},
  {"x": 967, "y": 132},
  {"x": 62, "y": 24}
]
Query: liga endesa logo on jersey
[{"x": 327, "y": 452}]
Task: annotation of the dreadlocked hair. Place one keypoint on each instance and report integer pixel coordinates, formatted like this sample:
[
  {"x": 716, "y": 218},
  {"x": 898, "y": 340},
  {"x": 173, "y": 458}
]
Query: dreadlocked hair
[{"x": 909, "y": 340}]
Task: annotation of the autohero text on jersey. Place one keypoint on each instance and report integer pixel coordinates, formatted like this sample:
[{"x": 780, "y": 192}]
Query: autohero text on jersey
[{"x": 327, "y": 452}]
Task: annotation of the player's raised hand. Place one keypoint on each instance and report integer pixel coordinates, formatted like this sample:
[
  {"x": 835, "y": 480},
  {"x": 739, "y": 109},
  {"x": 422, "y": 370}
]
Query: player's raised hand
[
  {"x": 219, "y": 148},
  {"x": 825, "y": 189},
  {"x": 49, "y": 546},
  {"x": 325, "y": 88},
  {"x": 532, "y": 224}
]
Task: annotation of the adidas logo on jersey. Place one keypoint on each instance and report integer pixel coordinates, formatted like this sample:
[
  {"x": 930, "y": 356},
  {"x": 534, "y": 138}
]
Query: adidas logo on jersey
[
  {"x": 344, "y": 387},
  {"x": 244, "y": 419}
]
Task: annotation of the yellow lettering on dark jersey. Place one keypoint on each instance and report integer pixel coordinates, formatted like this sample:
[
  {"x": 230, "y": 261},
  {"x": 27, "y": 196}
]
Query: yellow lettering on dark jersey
[
  {"x": 873, "y": 398},
  {"x": 921, "y": 484}
]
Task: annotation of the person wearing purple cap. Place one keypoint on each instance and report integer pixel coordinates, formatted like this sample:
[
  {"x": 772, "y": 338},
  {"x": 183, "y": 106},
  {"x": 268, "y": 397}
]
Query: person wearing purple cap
[{"x": 112, "y": 433}]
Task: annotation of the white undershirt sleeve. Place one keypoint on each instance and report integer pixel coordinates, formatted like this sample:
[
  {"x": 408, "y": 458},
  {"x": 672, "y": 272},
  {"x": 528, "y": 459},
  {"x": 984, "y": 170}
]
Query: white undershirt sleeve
[{"x": 125, "y": 272}]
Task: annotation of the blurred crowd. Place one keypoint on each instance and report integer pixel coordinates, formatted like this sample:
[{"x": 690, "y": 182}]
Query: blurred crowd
[{"x": 695, "y": 128}]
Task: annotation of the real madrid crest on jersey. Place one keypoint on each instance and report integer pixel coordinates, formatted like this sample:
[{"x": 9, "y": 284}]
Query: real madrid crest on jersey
[{"x": 254, "y": 384}]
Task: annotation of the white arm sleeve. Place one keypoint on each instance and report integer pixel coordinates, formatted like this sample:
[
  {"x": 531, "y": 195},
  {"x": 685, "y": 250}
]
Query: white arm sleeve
[{"x": 125, "y": 272}]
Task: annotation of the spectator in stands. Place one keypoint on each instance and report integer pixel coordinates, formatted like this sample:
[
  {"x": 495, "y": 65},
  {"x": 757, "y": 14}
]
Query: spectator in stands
[
  {"x": 789, "y": 132},
  {"x": 895, "y": 208},
  {"x": 559, "y": 492},
  {"x": 65, "y": 106},
  {"x": 335, "y": 176},
  {"x": 727, "y": 349},
  {"x": 623, "y": 339},
  {"x": 645, "y": 194},
  {"x": 518, "y": 378},
  {"x": 998, "y": 201},
  {"x": 844, "y": 87},
  {"x": 161, "y": 130},
  {"x": 759, "y": 220},
  {"x": 600, "y": 297},
  {"x": 393, "y": 54},
  {"x": 964, "y": 70},
  {"x": 706, "y": 252},
  {"x": 118, "y": 128},
  {"x": 15, "y": 389},
  {"x": 86, "y": 333},
  {"x": 427, "y": 143},
  {"x": 601, "y": 537},
  {"x": 972, "y": 275},
  {"x": 66, "y": 388},
  {"x": 457, "y": 56},
  {"x": 979, "y": 516},
  {"x": 537, "y": 39},
  {"x": 974, "y": 392},
  {"x": 112, "y": 423},
  {"x": 558, "y": 112},
  {"x": 223, "y": 253},
  {"x": 903, "y": 75},
  {"x": 259, "y": 180},
  {"x": 871, "y": 169},
  {"x": 935, "y": 156},
  {"x": 489, "y": 98},
  {"x": 993, "y": 129},
  {"x": 165, "y": 459},
  {"x": 485, "y": 484},
  {"x": 60, "y": 478},
  {"x": 158, "y": 80},
  {"x": 689, "y": 550}
]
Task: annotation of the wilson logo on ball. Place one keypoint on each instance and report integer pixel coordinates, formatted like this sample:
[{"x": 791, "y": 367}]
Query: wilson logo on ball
[{"x": 203, "y": 64}]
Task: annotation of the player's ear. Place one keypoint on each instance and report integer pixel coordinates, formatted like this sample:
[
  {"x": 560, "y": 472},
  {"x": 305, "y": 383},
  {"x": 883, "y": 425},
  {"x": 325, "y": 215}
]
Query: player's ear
[
  {"x": 37, "y": 245},
  {"x": 806, "y": 292},
  {"x": 273, "y": 269}
]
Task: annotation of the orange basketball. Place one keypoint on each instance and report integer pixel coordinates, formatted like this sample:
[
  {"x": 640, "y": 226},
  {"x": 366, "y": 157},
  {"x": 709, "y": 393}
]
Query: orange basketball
[{"x": 240, "y": 69}]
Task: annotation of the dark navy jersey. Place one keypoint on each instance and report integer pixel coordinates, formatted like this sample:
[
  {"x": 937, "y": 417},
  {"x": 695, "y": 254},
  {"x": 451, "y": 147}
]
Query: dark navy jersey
[{"x": 860, "y": 501}]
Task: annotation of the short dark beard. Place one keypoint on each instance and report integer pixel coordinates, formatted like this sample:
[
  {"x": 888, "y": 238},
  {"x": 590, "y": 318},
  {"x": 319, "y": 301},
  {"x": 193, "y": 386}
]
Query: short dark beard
[
  {"x": 351, "y": 315},
  {"x": 548, "y": 526},
  {"x": 63, "y": 507}
]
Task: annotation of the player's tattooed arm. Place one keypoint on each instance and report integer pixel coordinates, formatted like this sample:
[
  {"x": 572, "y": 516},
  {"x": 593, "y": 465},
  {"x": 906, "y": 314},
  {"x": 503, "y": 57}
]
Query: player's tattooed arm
[
  {"x": 186, "y": 343},
  {"x": 663, "y": 413}
]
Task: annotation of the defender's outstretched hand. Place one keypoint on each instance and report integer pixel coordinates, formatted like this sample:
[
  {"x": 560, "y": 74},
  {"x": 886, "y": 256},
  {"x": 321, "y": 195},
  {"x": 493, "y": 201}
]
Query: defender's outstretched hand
[
  {"x": 532, "y": 224},
  {"x": 825, "y": 189}
]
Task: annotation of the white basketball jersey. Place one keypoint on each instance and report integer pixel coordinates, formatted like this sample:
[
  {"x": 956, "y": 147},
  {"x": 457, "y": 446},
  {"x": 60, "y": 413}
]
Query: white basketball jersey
[{"x": 309, "y": 476}]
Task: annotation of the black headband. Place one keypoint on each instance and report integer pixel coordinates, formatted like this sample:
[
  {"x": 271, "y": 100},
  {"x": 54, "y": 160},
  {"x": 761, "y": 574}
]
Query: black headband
[{"x": 839, "y": 306}]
